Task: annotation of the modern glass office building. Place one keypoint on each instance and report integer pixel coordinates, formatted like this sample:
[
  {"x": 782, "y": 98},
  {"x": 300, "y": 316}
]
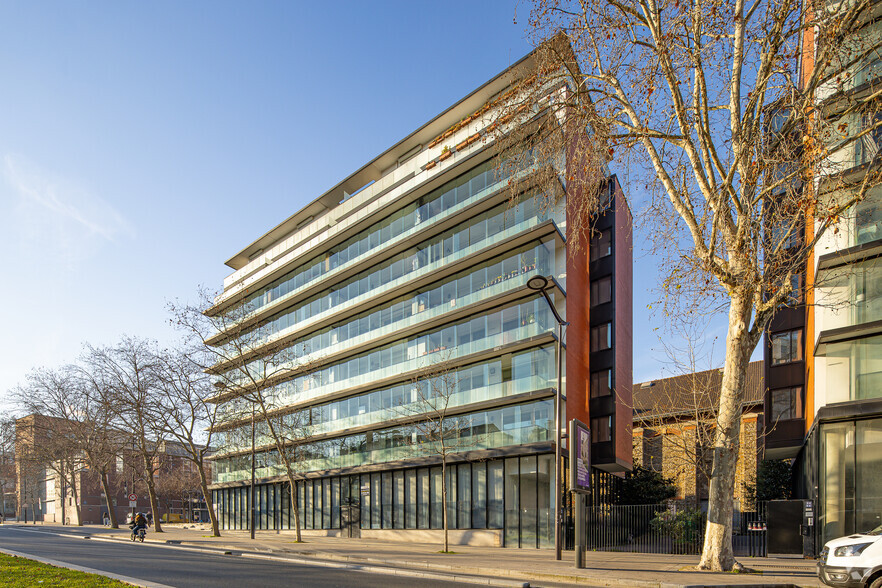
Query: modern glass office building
[{"x": 419, "y": 262}]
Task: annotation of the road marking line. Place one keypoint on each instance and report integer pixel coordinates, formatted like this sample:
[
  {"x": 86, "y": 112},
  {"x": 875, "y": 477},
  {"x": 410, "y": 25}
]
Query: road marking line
[{"x": 61, "y": 564}]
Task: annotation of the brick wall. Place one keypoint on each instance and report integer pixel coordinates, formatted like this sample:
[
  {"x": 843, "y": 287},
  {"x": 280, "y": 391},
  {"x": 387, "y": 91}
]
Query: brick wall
[{"x": 676, "y": 450}]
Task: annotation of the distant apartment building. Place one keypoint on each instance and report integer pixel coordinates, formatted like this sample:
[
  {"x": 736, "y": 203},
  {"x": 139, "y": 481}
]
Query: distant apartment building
[
  {"x": 419, "y": 261},
  {"x": 824, "y": 359}
]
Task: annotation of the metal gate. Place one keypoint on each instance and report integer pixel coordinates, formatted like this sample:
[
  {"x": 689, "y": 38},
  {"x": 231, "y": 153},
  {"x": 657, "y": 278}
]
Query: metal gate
[{"x": 786, "y": 527}]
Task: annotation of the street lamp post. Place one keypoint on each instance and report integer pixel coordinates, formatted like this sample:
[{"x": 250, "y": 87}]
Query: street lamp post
[
  {"x": 251, "y": 489},
  {"x": 540, "y": 284}
]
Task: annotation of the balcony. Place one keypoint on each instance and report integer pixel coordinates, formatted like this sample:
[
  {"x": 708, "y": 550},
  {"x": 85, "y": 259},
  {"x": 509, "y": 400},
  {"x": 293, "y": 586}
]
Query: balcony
[
  {"x": 373, "y": 414},
  {"x": 858, "y": 227},
  {"x": 306, "y": 388},
  {"x": 849, "y": 370},
  {"x": 852, "y": 140},
  {"x": 501, "y": 427},
  {"x": 299, "y": 282},
  {"x": 849, "y": 295}
]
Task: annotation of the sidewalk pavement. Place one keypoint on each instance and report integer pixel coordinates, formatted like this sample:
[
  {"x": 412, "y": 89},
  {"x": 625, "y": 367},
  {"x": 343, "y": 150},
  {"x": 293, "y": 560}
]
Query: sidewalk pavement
[{"x": 510, "y": 566}]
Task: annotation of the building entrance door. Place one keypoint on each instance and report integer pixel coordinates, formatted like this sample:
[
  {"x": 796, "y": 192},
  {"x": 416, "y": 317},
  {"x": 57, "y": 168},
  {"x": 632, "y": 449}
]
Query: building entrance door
[
  {"x": 351, "y": 514},
  {"x": 785, "y": 525}
]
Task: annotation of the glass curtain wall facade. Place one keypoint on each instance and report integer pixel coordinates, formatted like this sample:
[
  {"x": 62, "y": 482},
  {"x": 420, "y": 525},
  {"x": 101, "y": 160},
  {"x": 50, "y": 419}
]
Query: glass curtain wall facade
[
  {"x": 512, "y": 495},
  {"x": 416, "y": 263}
]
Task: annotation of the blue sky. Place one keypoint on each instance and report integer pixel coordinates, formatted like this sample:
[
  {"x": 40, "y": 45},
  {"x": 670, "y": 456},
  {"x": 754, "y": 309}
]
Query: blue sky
[{"x": 142, "y": 144}]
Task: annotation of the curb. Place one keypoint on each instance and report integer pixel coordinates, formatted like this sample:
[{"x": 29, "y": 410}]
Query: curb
[{"x": 535, "y": 576}]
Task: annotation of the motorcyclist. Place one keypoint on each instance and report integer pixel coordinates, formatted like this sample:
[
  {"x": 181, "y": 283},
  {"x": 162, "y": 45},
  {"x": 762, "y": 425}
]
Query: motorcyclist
[{"x": 139, "y": 522}]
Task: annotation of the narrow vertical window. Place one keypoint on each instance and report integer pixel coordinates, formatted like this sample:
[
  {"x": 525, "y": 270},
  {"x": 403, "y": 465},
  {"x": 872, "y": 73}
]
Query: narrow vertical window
[
  {"x": 601, "y": 337},
  {"x": 786, "y": 403},
  {"x": 601, "y": 383},
  {"x": 786, "y": 347},
  {"x": 600, "y": 245},
  {"x": 601, "y": 429},
  {"x": 601, "y": 291}
]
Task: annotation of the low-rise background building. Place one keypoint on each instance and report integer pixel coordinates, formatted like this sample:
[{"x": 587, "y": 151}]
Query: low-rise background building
[
  {"x": 42, "y": 494},
  {"x": 674, "y": 426}
]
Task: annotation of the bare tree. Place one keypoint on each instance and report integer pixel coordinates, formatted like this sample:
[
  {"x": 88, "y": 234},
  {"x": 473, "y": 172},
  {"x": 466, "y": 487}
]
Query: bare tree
[
  {"x": 176, "y": 482},
  {"x": 706, "y": 104},
  {"x": 99, "y": 438},
  {"x": 130, "y": 370},
  {"x": 249, "y": 364},
  {"x": 53, "y": 398},
  {"x": 677, "y": 414},
  {"x": 432, "y": 413},
  {"x": 187, "y": 416}
]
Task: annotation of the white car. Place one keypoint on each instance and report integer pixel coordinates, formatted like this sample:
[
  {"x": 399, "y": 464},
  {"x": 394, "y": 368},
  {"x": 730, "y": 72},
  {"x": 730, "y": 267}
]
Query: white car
[{"x": 853, "y": 561}]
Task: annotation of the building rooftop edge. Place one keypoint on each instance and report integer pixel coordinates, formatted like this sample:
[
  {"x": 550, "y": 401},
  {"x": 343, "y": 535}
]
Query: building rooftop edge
[{"x": 372, "y": 170}]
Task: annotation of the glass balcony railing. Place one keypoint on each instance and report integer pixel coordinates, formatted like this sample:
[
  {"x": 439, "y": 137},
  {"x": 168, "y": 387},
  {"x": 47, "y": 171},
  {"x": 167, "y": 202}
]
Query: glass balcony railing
[
  {"x": 453, "y": 293},
  {"x": 450, "y": 199},
  {"x": 849, "y": 295},
  {"x": 482, "y": 231},
  {"x": 493, "y": 280},
  {"x": 852, "y": 140},
  {"x": 851, "y": 370},
  {"x": 501, "y": 427},
  {"x": 481, "y": 333},
  {"x": 862, "y": 224},
  {"x": 391, "y": 403}
]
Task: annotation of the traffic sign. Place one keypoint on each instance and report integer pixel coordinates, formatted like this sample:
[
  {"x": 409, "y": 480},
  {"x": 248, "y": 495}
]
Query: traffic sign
[
  {"x": 133, "y": 497},
  {"x": 133, "y": 503}
]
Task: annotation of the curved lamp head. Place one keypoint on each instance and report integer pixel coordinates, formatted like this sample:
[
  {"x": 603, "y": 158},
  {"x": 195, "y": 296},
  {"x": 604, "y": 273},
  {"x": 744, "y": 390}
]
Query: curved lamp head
[{"x": 538, "y": 283}]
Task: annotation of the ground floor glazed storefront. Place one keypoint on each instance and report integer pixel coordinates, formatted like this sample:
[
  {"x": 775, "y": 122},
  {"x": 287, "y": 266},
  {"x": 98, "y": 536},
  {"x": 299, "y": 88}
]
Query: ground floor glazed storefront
[
  {"x": 505, "y": 501},
  {"x": 841, "y": 469}
]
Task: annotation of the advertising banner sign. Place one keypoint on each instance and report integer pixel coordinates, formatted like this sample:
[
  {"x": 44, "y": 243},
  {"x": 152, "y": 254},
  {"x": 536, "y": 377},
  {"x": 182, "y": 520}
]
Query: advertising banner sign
[{"x": 580, "y": 457}]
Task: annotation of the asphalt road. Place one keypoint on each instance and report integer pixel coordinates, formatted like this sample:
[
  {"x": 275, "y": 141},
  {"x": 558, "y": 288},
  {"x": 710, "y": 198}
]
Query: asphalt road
[{"x": 184, "y": 569}]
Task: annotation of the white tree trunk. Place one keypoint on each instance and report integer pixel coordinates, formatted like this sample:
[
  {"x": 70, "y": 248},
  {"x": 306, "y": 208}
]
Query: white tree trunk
[{"x": 717, "y": 553}]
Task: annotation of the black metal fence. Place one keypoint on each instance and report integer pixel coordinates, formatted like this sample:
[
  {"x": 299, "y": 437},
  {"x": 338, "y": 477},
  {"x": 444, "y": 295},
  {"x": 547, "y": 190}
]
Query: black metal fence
[
  {"x": 668, "y": 528},
  {"x": 750, "y": 536}
]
